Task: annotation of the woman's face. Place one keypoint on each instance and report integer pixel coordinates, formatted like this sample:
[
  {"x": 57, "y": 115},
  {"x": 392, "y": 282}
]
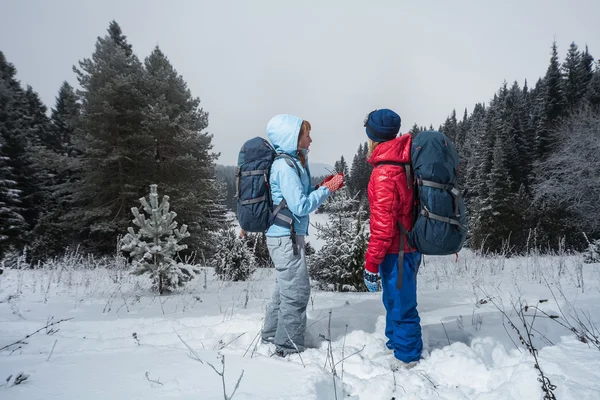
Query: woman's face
[{"x": 304, "y": 141}]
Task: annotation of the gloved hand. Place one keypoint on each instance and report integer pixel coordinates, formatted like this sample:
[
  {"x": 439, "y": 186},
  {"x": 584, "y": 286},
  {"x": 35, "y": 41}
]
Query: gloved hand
[
  {"x": 327, "y": 179},
  {"x": 335, "y": 183},
  {"x": 371, "y": 281}
]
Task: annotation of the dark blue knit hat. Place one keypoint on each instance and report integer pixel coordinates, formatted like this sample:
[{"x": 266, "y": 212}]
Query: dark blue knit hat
[{"x": 382, "y": 125}]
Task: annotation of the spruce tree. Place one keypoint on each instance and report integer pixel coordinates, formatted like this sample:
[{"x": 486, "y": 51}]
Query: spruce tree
[
  {"x": 526, "y": 142},
  {"x": 154, "y": 246},
  {"x": 257, "y": 243},
  {"x": 586, "y": 66},
  {"x": 415, "y": 130},
  {"x": 517, "y": 144},
  {"x": 554, "y": 103},
  {"x": 464, "y": 150},
  {"x": 593, "y": 90},
  {"x": 341, "y": 166},
  {"x": 64, "y": 118},
  {"x": 232, "y": 260},
  {"x": 21, "y": 188},
  {"x": 475, "y": 153},
  {"x": 116, "y": 154},
  {"x": 12, "y": 222},
  {"x": 53, "y": 232},
  {"x": 339, "y": 263},
  {"x": 496, "y": 221},
  {"x": 181, "y": 153},
  {"x": 450, "y": 128},
  {"x": 574, "y": 79},
  {"x": 360, "y": 173}
]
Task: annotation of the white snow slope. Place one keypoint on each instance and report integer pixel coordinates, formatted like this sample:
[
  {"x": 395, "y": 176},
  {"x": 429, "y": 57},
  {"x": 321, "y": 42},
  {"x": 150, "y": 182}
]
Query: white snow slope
[{"x": 120, "y": 341}]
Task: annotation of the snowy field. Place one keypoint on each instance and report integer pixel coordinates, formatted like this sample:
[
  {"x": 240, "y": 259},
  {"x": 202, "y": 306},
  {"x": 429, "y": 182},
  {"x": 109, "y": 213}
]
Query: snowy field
[{"x": 120, "y": 341}]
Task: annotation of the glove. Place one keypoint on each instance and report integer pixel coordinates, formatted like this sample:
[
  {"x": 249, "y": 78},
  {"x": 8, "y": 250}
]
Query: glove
[
  {"x": 335, "y": 183},
  {"x": 327, "y": 179},
  {"x": 371, "y": 281}
]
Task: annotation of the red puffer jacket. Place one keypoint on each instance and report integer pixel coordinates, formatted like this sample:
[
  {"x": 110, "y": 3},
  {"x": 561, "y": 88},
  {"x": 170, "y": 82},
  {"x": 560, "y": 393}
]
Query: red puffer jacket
[{"x": 390, "y": 200}]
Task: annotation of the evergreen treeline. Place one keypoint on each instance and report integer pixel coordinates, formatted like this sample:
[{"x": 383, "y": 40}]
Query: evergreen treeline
[
  {"x": 530, "y": 160},
  {"x": 71, "y": 178}
]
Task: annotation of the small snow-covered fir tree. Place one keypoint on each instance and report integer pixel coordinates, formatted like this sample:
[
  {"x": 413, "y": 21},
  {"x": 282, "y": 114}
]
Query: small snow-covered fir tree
[
  {"x": 233, "y": 259},
  {"x": 156, "y": 243},
  {"x": 257, "y": 243},
  {"x": 592, "y": 254},
  {"x": 339, "y": 264}
]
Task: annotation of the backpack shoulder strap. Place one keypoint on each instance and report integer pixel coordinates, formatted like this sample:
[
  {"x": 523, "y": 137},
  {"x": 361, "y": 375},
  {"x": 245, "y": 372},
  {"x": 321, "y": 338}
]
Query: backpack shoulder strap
[{"x": 290, "y": 161}]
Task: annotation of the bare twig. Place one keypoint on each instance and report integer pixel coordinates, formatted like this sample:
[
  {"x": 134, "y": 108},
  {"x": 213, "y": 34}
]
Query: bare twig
[
  {"x": 430, "y": 381},
  {"x": 22, "y": 341},
  {"x": 236, "y": 338},
  {"x": 295, "y": 347},
  {"x": 343, "y": 358},
  {"x": 193, "y": 354},
  {"x": 446, "y": 332},
  {"x": 252, "y": 342},
  {"x": 52, "y": 351},
  {"x": 152, "y": 380},
  {"x": 330, "y": 352},
  {"x": 353, "y": 354}
]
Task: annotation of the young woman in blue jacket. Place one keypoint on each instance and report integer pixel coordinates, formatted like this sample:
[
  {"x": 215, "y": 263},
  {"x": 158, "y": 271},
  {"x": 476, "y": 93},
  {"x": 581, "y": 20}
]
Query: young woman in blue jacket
[{"x": 285, "y": 320}]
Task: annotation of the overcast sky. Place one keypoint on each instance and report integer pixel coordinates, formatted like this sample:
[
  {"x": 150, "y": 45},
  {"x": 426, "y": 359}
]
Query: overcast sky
[{"x": 329, "y": 62}]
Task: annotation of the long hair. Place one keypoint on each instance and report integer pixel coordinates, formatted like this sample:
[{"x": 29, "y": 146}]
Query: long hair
[
  {"x": 372, "y": 146},
  {"x": 303, "y": 129}
]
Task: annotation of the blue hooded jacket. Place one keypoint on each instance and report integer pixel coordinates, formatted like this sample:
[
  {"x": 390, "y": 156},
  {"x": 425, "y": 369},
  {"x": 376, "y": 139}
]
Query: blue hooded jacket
[{"x": 283, "y": 131}]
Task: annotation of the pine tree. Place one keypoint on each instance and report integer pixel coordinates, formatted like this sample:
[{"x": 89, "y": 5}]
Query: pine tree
[
  {"x": 586, "y": 68},
  {"x": 554, "y": 103},
  {"x": 339, "y": 263},
  {"x": 53, "y": 233},
  {"x": 64, "y": 118},
  {"x": 450, "y": 128},
  {"x": 341, "y": 166},
  {"x": 517, "y": 144},
  {"x": 593, "y": 90},
  {"x": 43, "y": 171},
  {"x": 415, "y": 130},
  {"x": 592, "y": 253},
  {"x": 181, "y": 153},
  {"x": 526, "y": 142},
  {"x": 156, "y": 243},
  {"x": 21, "y": 189},
  {"x": 12, "y": 222},
  {"x": 475, "y": 153},
  {"x": 360, "y": 173},
  {"x": 233, "y": 259},
  {"x": 496, "y": 223},
  {"x": 574, "y": 77},
  {"x": 464, "y": 150},
  {"x": 116, "y": 154},
  {"x": 257, "y": 243}
]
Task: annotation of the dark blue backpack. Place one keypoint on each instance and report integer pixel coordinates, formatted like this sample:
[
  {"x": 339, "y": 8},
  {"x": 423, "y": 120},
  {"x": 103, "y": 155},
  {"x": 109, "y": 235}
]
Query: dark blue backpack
[
  {"x": 255, "y": 211},
  {"x": 439, "y": 226}
]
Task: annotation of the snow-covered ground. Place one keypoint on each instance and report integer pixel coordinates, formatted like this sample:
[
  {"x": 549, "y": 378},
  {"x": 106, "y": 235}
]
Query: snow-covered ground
[{"x": 122, "y": 342}]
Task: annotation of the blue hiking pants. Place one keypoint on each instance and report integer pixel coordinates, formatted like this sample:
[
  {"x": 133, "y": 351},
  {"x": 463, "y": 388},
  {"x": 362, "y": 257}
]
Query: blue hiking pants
[
  {"x": 285, "y": 320},
  {"x": 402, "y": 322}
]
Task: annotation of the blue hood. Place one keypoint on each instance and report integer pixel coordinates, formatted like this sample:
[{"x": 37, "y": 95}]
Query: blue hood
[{"x": 283, "y": 131}]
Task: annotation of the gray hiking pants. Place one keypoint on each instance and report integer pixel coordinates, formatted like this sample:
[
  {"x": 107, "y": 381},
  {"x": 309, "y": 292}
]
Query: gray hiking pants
[{"x": 285, "y": 321}]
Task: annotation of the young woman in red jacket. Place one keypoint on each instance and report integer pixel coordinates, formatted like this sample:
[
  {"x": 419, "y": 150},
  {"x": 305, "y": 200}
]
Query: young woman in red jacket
[{"x": 388, "y": 256}]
